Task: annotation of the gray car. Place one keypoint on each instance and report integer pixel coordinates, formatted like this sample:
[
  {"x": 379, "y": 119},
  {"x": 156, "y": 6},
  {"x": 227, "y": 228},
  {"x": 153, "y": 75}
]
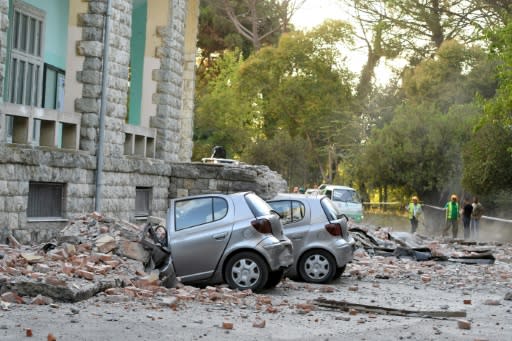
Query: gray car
[
  {"x": 322, "y": 244},
  {"x": 231, "y": 238}
]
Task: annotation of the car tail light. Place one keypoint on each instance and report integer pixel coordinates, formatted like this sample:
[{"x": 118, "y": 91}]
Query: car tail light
[
  {"x": 334, "y": 229},
  {"x": 262, "y": 225}
]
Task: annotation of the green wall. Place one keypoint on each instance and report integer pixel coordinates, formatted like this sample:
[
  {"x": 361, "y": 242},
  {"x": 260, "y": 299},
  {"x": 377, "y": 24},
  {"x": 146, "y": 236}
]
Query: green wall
[
  {"x": 137, "y": 48},
  {"x": 56, "y": 30}
]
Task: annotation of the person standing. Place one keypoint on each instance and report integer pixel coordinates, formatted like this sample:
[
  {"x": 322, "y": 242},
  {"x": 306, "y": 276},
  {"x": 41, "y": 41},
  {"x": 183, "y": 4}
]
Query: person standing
[
  {"x": 476, "y": 214},
  {"x": 467, "y": 209},
  {"x": 415, "y": 211},
  {"x": 452, "y": 216}
]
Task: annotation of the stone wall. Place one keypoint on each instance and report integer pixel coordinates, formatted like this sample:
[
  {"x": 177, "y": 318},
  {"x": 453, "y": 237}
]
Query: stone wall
[
  {"x": 20, "y": 166},
  {"x": 4, "y": 25},
  {"x": 91, "y": 47},
  {"x": 199, "y": 178},
  {"x": 169, "y": 79}
]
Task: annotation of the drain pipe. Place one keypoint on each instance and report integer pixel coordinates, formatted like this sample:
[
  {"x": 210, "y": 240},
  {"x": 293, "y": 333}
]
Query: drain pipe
[{"x": 103, "y": 108}]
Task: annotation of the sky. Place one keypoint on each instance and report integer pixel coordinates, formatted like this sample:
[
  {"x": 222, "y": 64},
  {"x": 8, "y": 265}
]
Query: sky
[{"x": 314, "y": 12}]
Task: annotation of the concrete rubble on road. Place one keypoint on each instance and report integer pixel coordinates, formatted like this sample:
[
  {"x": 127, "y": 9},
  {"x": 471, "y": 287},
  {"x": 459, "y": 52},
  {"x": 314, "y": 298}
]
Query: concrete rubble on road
[
  {"x": 384, "y": 242},
  {"x": 117, "y": 261},
  {"x": 383, "y": 254}
]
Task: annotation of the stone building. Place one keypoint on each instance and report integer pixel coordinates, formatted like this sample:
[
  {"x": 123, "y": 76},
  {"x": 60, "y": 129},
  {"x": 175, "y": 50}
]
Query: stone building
[{"x": 74, "y": 139}]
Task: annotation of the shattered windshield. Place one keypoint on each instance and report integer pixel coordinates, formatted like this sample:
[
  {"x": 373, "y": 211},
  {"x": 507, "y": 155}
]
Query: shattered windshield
[{"x": 345, "y": 195}]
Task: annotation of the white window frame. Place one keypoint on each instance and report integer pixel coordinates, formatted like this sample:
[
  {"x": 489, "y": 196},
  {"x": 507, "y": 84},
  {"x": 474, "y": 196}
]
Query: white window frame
[{"x": 27, "y": 42}]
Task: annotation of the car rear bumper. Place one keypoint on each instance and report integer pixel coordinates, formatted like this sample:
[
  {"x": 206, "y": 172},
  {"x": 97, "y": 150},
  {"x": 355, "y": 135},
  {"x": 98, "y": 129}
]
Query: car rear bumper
[
  {"x": 279, "y": 253},
  {"x": 344, "y": 253}
]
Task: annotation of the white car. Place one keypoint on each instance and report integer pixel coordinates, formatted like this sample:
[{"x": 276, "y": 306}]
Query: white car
[
  {"x": 322, "y": 244},
  {"x": 346, "y": 199}
]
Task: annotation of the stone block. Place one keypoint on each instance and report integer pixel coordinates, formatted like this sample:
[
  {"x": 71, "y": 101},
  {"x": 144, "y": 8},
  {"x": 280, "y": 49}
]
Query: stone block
[
  {"x": 133, "y": 250},
  {"x": 105, "y": 243}
]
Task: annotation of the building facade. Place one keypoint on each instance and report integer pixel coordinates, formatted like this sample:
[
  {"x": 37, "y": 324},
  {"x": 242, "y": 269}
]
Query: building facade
[{"x": 96, "y": 113}]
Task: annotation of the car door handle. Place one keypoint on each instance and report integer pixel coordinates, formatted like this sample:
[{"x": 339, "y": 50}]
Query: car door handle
[{"x": 220, "y": 236}]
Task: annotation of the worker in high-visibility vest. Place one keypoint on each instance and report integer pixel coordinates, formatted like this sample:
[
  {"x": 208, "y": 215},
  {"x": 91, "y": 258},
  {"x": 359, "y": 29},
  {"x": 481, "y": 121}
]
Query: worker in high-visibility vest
[
  {"x": 452, "y": 216},
  {"x": 415, "y": 211}
]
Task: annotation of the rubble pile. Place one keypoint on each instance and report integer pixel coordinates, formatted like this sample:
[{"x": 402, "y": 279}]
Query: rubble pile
[
  {"x": 97, "y": 256},
  {"x": 92, "y": 254},
  {"x": 383, "y": 254},
  {"x": 117, "y": 261}
]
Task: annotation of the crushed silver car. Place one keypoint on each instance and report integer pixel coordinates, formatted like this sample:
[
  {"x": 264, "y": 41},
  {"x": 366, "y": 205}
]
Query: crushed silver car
[
  {"x": 232, "y": 238},
  {"x": 322, "y": 244}
]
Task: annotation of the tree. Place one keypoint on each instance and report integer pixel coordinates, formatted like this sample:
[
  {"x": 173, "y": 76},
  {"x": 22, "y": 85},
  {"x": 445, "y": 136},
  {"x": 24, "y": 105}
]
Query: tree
[
  {"x": 417, "y": 28},
  {"x": 302, "y": 86},
  {"x": 221, "y": 116},
  {"x": 259, "y": 21},
  {"x": 488, "y": 160},
  {"x": 488, "y": 157},
  {"x": 419, "y": 149}
]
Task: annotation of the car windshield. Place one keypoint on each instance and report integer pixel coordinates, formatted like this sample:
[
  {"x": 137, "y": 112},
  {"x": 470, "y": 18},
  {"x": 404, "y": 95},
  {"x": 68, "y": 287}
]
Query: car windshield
[
  {"x": 258, "y": 206},
  {"x": 330, "y": 210},
  {"x": 345, "y": 195}
]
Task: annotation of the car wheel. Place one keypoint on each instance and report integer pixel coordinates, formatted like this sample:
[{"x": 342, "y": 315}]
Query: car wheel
[
  {"x": 317, "y": 266},
  {"x": 274, "y": 278},
  {"x": 246, "y": 270},
  {"x": 339, "y": 272}
]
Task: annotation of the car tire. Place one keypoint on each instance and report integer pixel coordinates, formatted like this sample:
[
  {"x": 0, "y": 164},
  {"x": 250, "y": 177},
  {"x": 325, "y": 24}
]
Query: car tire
[
  {"x": 339, "y": 272},
  {"x": 317, "y": 266},
  {"x": 274, "y": 278},
  {"x": 246, "y": 270}
]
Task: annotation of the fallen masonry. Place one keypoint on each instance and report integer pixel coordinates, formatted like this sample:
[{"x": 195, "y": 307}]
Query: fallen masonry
[
  {"x": 97, "y": 255},
  {"x": 93, "y": 253}
]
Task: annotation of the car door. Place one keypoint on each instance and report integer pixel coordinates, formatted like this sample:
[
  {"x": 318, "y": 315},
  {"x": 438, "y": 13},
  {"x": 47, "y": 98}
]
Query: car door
[
  {"x": 198, "y": 235},
  {"x": 295, "y": 220}
]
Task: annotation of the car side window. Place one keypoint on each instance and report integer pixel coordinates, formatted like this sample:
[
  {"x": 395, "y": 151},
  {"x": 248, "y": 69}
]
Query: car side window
[
  {"x": 290, "y": 211},
  {"x": 298, "y": 211},
  {"x": 283, "y": 207},
  {"x": 220, "y": 208},
  {"x": 193, "y": 212}
]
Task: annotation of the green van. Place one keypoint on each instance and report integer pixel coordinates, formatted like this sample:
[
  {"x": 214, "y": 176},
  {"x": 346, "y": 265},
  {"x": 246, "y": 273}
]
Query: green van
[{"x": 346, "y": 199}]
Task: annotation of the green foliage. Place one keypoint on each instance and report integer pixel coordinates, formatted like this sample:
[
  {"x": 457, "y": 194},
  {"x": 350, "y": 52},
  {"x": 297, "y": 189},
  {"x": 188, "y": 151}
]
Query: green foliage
[
  {"x": 487, "y": 161},
  {"x": 419, "y": 149},
  {"x": 488, "y": 157},
  {"x": 221, "y": 116},
  {"x": 301, "y": 86},
  {"x": 288, "y": 156},
  {"x": 454, "y": 76}
]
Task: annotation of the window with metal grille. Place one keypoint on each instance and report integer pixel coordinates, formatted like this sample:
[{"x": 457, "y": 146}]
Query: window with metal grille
[
  {"x": 45, "y": 200},
  {"x": 26, "y": 61},
  {"x": 142, "y": 201}
]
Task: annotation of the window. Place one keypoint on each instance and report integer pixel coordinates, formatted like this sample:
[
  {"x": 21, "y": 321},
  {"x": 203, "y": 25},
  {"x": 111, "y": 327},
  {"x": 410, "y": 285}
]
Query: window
[
  {"x": 290, "y": 211},
  {"x": 143, "y": 201},
  {"x": 199, "y": 211},
  {"x": 45, "y": 200},
  {"x": 53, "y": 90},
  {"x": 26, "y": 60}
]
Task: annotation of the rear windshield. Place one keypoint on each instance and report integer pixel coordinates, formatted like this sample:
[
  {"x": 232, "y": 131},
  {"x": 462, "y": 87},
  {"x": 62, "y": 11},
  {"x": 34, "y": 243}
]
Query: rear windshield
[
  {"x": 258, "y": 206},
  {"x": 345, "y": 195},
  {"x": 330, "y": 210}
]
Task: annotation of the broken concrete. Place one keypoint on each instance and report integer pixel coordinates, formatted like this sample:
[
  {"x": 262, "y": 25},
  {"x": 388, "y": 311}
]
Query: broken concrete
[{"x": 93, "y": 253}]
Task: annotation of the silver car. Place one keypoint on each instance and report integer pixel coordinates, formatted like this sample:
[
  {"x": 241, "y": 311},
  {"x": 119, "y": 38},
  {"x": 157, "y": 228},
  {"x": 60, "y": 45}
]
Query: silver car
[
  {"x": 322, "y": 244},
  {"x": 231, "y": 238}
]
